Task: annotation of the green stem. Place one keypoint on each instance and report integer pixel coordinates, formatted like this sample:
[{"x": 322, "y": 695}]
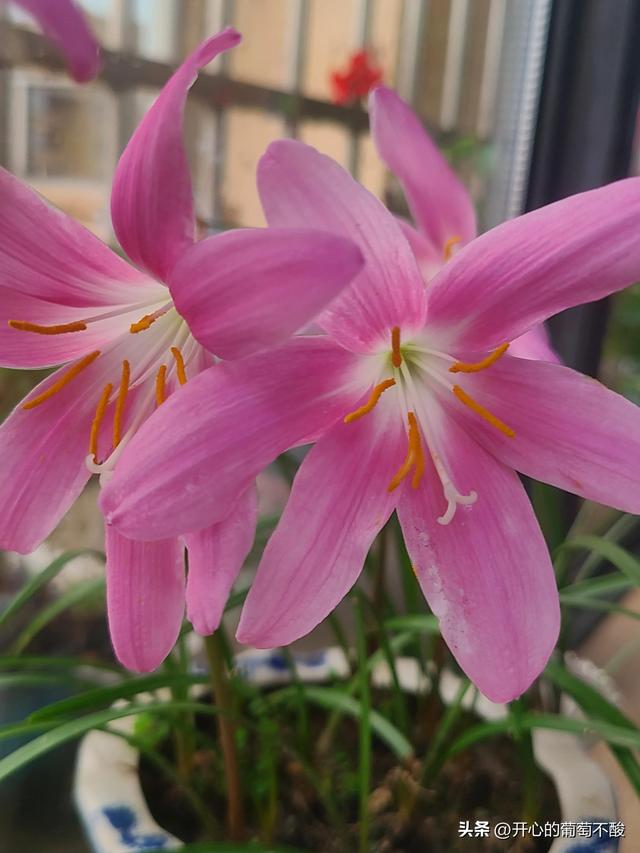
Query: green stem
[
  {"x": 226, "y": 730},
  {"x": 364, "y": 761}
]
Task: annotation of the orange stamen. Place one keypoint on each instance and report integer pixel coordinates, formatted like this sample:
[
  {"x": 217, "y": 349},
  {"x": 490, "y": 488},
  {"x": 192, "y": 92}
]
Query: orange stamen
[
  {"x": 160, "y": 381},
  {"x": 484, "y": 413},
  {"x": 396, "y": 355},
  {"x": 415, "y": 456},
  {"x": 97, "y": 420},
  {"x": 64, "y": 380},
  {"x": 61, "y": 329},
  {"x": 142, "y": 324},
  {"x": 122, "y": 396},
  {"x": 371, "y": 402},
  {"x": 447, "y": 251},
  {"x": 474, "y": 367},
  {"x": 181, "y": 372}
]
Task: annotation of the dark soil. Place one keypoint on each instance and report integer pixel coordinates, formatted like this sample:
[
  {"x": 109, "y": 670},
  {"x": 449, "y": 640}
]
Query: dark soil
[{"x": 318, "y": 810}]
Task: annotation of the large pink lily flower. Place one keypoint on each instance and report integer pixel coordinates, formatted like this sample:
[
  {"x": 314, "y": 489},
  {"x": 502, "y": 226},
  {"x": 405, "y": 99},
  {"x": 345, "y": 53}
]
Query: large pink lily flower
[
  {"x": 442, "y": 209},
  {"x": 416, "y": 407},
  {"x": 63, "y": 22},
  {"x": 131, "y": 336}
]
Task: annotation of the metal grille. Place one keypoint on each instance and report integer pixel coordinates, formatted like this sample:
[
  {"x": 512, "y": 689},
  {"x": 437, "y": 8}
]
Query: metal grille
[{"x": 454, "y": 60}]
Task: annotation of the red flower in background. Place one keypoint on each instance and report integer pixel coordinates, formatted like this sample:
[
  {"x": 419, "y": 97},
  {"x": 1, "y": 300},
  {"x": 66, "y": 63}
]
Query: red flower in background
[{"x": 356, "y": 82}]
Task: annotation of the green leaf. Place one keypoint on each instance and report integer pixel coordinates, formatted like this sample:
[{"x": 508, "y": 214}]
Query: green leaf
[
  {"x": 334, "y": 699},
  {"x": 595, "y": 587},
  {"x": 10, "y": 662},
  {"x": 419, "y": 623},
  {"x": 73, "y": 729},
  {"x": 101, "y": 696},
  {"x": 596, "y": 706},
  {"x": 36, "y": 583},
  {"x": 612, "y": 734},
  {"x": 80, "y": 592},
  {"x": 609, "y": 550},
  {"x": 595, "y": 604}
]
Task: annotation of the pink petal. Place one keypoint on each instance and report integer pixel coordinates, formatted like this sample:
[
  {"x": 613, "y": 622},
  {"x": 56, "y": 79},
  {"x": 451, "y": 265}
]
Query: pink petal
[
  {"x": 518, "y": 274},
  {"x": 42, "y": 453},
  {"x": 571, "y": 431},
  {"x": 216, "y": 555},
  {"x": 145, "y": 599},
  {"x": 64, "y": 23},
  {"x": 534, "y": 344},
  {"x": 487, "y": 575},
  {"x": 46, "y": 254},
  {"x": 205, "y": 445},
  {"x": 338, "y": 504},
  {"x": 251, "y": 289},
  {"x": 438, "y": 200},
  {"x": 298, "y": 185},
  {"x": 29, "y": 349},
  {"x": 430, "y": 260},
  {"x": 151, "y": 199}
]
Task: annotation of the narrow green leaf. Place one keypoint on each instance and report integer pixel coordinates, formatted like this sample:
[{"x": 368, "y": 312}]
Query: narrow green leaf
[
  {"x": 36, "y": 583},
  {"x": 609, "y": 550},
  {"x": 419, "y": 623},
  {"x": 101, "y": 696},
  {"x": 595, "y": 587},
  {"x": 595, "y": 604},
  {"x": 337, "y": 700},
  {"x": 72, "y": 729},
  {"x": 84, "y": 591},
  {"x": 596, "y": 706}
]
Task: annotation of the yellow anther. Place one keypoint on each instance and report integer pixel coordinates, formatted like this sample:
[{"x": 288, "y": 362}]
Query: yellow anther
[
  {"x": 474, "y": 367},
  {"x": 60, "y": 329},
  {"x": 122, "y": 396},
  {"x": 181, "y": 372},
  {"x": 64, "y": 380},
  {"x": 160, "y": 381},
  {"x": 97, "y": 420},
  {"x": 142, "y": 324},
  {"x": 396, "y": 355},
  {"x": 414, "y": 457},
  {"x": 484, "y": 413},
  {"x": 447, "y": 251},
  {"x": 377, "y": 392}
]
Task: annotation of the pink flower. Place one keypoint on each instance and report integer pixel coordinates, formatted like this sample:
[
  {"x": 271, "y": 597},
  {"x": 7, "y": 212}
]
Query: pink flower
[
  {"x": 440, "y": 204},
  {"x": 415, "y": 406},
  {"x": 132, "y": 336},
  {"x": 64, "y": 24}
]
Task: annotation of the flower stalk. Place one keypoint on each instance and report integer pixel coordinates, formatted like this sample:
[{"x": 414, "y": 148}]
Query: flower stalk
[{"x": 226, "y": 731}]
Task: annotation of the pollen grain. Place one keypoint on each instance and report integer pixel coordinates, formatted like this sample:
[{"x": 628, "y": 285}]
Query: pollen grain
[
  {"x": 64, "y": 380},
  {"x": 377, "y": 392},
  {"x": 484, "y": 413},
  {"x": 180, "y": 369},
  {"x": 477, "y": 366},
  {"x": 122, "y": 396},
  {"x": 447, "y": 250},
  {"x": 396, "y": 355},
  {"x": 161, "y": 376},
  {"x": 60, "y": 329},
  {"x": 97, "y": 421},
  {"x": 414, "y": 457}
]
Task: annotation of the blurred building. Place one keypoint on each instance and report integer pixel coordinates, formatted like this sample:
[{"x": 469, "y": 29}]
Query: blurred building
[{"x": 445, "y": 56}]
